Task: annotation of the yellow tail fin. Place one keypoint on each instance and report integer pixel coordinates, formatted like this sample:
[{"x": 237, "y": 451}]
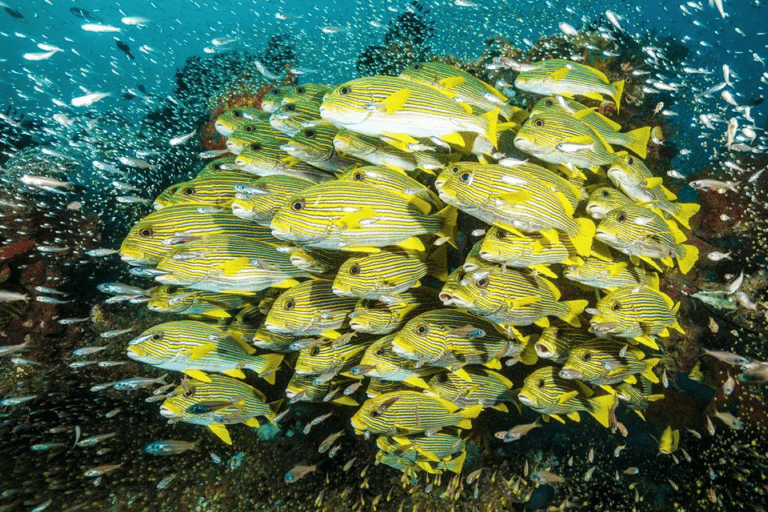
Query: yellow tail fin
[
  {"x": 448, "y": 216},
  {"x": 601, "y": 408},
  {"x": 639, "y": 142},
  {"x": 687, "y": 210},
  {"x": 456, "y": 464},
  {"x": 617, "y": 95},
  {"x": 689, "y": 259},
  {"x": 648, "y": 373},
  {"x": 437, "y": 263},
  {"x": 492, "y": 116},
  {"x": 583, "y": 240},
  {"x": 575, "y": 308},
  {"x": 272, "y": 361}
]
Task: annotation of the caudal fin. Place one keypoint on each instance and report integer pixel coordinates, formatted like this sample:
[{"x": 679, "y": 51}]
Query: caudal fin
[
  {"x": 575, "y": 308},
  {"x": 583, "y": 240},
  {"x": 492, "y": 116},
  {"x": 687, "y": 210},
  {"x": 689, "y": 258},
  {"x": 448, "y": 216},
  {"x": 437, "y": 263},
  {"x": 600, "y": 408},
  {"x": 617, "y": 95},
  {"x": 639, "y": 143},
  {"x": 648, "y": 372}
]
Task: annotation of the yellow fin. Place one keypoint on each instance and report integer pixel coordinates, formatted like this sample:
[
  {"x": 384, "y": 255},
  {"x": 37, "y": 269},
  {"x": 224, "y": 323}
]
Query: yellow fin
[
  {"x": 687, "y": 210},
  {"x": 198, "y": 375},
  {"x": 412, "y": 244},
  {"x": 456, "y": 464},
  {"x": 560, "y": 73},
  {"x": 352, "y": 220},
  {"x": 217, "y": 313},
  {"x": 575, "y": 308},
  {"x": 500, "y": 407},
  {"x": 238, "y": 374},
  {"x": 417, "y": 381},
  {"x": 452, "y": 81},
  {"x": 648, "y": 373},
  {"x": 437, "y": 263},
  {"x": 562, "y": 399},
  {"x": 639, "y": 140},
  {"x": 395, "y": 101},
  {"x": 221, "y": 431},
  {"x": 542, "y": 322},
  {"x": 462, "y": 374},
  {"x": 582, "y": 241},
  {"x": 545, "y": 271},
  {"x": 690, "y": 257},
  {"x": 601, "y": 408},
  {"x": 574, "y": 416},
  {"x": 288, "y": 283},
  {"x": 653, "y": 182},
  {"x": 516, "y": 197},
  {"x": 522, "y": 301},
  {"x": 201, "y": 350},
  {"x": 233, "y": 266},
  {"x": 472, "y": 412},
  {"x": 648, "y": 341},
  {"x": 454, "y": 138},
  {"x": 555, "y": 416},
  {"x": 252, "y": 422},
  {"x": 617, "y": 96},
  {"x": 492, "y": 116},
  {"x": 617, "y": 268},
  {"x": 493, "y": 364},
  {"x": 345, "y": 400},
  {"x": 550, "y": 235}
]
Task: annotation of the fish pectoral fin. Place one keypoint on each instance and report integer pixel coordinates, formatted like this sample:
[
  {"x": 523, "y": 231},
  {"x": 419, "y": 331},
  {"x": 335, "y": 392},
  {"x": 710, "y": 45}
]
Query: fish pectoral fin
[
  {"x": 557, "y": 417},
  {"x": 653, "y": 182},
  {"x": 647, "y": 341},
  {"x": 395, "y": 101},
  {"x": 617, "y": 268},
  {"x": 451, "y": 82},
  {"x": 516, "y": 197},
  {"x": 201, "y": 350},
  {"x": 562, "y": 399},
  {"x": 550, "y": 235},
  {"x": 238, "y": 374},
  {"x": 412, "y": 244},
  {"x": 197, "y": 375},
  {"x": 288, "y": 283},
  {"x": 500, "y": 407},
  {"x": 233, "y": 266},
  {"x": 559, "y": 74},
  {"x": 352, "y": 220},
  {"x": 493, "y": 364},
  {"x": 221, "y": 431},
  {"x": 522, "y": 301},
  {"x": 290, "y": 161},
  {"x": 345, "y": 400},
  {"x": 593, "y": 95}
]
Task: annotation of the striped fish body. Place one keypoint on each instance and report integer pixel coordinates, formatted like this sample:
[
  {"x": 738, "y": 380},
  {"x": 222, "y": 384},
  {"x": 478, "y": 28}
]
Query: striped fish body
[
  {"x": 635, "y": 312},
  {"x": 233, "y": 119},
  {"x": 309, "y": 308},
  {"x": 642, "y": 232},
  {"x": 555, "y": 342},
  {"x": 189, "y": 302},
  {"x": 460, "y": 86},
  {"x": 471, "y": 262},
  {"x": 637, "y": 181},
  {"x": 312, "y": 93},
  {"x": 302, "y": 388},
  {"x": 547, "y": 393},
  {"x": 354, "y": 216},
  {"x": 568, "y": 79},
  {"x": 245, "y": 324},
  {"x": 373, "y": 150},
  {"x": 325, "y": 357},
  {"x": 381, "y": 105},
  {"x": 315, "y": 146},
  {"x": 604, "y": 199},
  {"x": 253, "y": 135},
  {"x": 609, "y": 275},
  {"x": 320, "y": 262},
  {"x": 377, "y": 387},
  {"x": 213, "y": 191},
  {"x": 510, "y": 297},
  {"x": 267, "y": 157},
  {"x": 534, "y": 251},
  {"x": 149, "y": 240},
  {"x": 247, "y": 404},
  {"x": 452, "y": 338},
  {"x": 395, "y": 181},
  {"x": 266, "y": 340},
  {"x": 637, "y": 398},
  {"x": 381, "y": 362},
  {"x": 410, "y": 412},
  {"x": 195, "y": 347},
  {"x": 371, "y": 276},
  {"x": 487, "y": 388},
  {"x": 518, "y": 205},
  {"x": 600, "y": 362},
  {"x": 376, "y": 317},
  {"x": 433, "y": 454},
  {"x": 636, "y": 140},
  {"x": 291, "y": 114},
  {"x": 259, "y": 201},
  {"x": 224, "y": 164},
  {"x": 559, "y": 138},
  {"x": 223, "y": 263}
]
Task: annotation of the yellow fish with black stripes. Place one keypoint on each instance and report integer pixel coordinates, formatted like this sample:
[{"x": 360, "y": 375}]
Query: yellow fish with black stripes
[
  {"x": 234, "y": 118},
  {"x": 308, "y": 92},
  {"x": 309, "y": 308},
  {"x": 603, "y": 362}
]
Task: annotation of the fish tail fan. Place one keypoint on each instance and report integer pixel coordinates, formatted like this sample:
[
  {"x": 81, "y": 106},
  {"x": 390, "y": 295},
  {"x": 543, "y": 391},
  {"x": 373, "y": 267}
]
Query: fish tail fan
[
  {"x": 437, "y": 263},
  {"x": 582, "y": 241},
  {"x": 492, "y": 116},
  {"x": 690, "y": 256},
  {"x": 448, "y": 217},
  {"x": 575, "y": 308},
  {"x": 456, "y": 464},
  {"x": 648, "y": 372},
  {"x": 601, "y": 408},
  {"x": 687, "y": 210},
  {"x": 639, "y": 141},
  {"x": 617, "y": 95},
  {"x": 271, "y": 362}
]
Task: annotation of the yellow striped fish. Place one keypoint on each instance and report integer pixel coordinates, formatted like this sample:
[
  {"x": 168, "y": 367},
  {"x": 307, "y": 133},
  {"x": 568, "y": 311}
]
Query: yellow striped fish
[
  {"x": 510, "y": 297},
  {"x": 635, "y": 140},
  {"x": 266, "y": 340},
  {"x": 453, "y": 338},
  {"x": 609, "y": 275},
  {"x": 377, "y": 387},
  {"x": 353, "y": 216},
  {"x": 234, "y": 118},
  {"x": 375, "y": 151},
  {"x": 380, "y": 361},
  {"x": 487, "y": 388},
  {"x": 195, "y": 347},
  {"x": 224, "y": 164},
  {"x": 376, "y": 317},
  {"x": 604, "y": 199},
  {"x": 602, "y": 362},
  {"x": 154, "y": 237},
  {"x": 387, "y": 273},
  {"x": 395, "y": 181},
  {"x": 252, "y": 135},
  {"x": 215, "y": 191},
  {"x": 461, "y": 87},
  {"x": 410, "y": 412},
  {"x": 559, "y": 138},
  {"x": 235, "y": 402},
  {"x": 315, "y": 261},
  {"x": 189, "y": 302},
  {"x": 530, "y": 251},
  {"x": 326, "y": 358},
  {"x": 307, "y": 92},
  {"x": 434, "y": 454},
  {"x": 636, "y": 312},
  {"x": 245, "y": 324},
  {"x": 402, "y": 109},
  {"x": 641, "y": 232},
  {"x": 302, "y": 388},
  {"x": 632, "y": 176},
  {"x": 175, "y": 192},
  {"x": 291, "y": 115},
  {"x": 315, "y": 146},
  {"x": 568, "y": 79},
  {"x": 519, "y": 204},
  {"x": 555, "y": 342},
  {"x": 229, "y": 264},
  {"x": 267, "y": 157},
  {"x": 669, "y": 441},
  {"x": 547, "y": 393},
  {"x": 637, "y": 399},
  {"x": 309, "y": 308},
  {"x": 259, "y": 200}
]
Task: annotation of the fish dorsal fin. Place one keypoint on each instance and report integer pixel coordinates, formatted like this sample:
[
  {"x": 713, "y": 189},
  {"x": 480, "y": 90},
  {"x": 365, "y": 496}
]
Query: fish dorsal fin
[
  {"x": 452, "y": 81},
  {"x": 581, "y": 114},
  {"x": 617, "y": 268},
  {"x": 395, "y": 101},
  {"x": 221, "y": 431}
]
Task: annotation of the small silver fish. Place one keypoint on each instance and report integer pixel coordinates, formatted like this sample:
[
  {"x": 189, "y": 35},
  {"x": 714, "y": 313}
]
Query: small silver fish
[{"x": 85, "y": 351}]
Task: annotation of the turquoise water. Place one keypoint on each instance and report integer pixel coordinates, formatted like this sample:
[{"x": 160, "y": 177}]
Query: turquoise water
[{"x": 164, "y": 70}]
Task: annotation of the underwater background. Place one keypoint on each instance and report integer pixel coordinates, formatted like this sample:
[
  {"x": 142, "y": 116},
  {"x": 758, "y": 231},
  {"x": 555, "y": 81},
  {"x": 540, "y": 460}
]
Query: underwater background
[{"x": 118, "y": 101}]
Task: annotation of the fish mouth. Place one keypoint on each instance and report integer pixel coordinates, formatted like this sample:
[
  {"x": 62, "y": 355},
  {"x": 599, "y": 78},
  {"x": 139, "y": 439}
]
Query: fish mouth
[
  {"x": 341, "y": 291},
  {"x": 543, "y": 351},
  {"x": 234, "y": 147},
  {"x": 453, "y": 300},
  {"x": 526, "y": 145},
  {"x": 525, "y": 399},
  {"x": 604, "y": 236},
  {"x": 601, "y": 329},
  {"x": 224, "y": 129},
  {"x": 342, "y": 116},
  {"x": 357, "y": 325},
  {"x": 167, "y": 413},
  {"x": 136, "y": 258},
  {"x": 272, "y": 326},
  {"x": 595, "y": 211}
]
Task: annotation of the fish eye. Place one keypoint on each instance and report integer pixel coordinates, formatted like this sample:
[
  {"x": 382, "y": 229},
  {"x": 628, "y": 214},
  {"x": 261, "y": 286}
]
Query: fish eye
[
  {"x": 616, "y": 306},
  {"x": 172, "y": 289},
  {"x": 237, "y": 113},
  {"x": 358, "y": 176},
  {"x": 216, "y": 167},
  {"x": 275, "y": 91},
  {"x": 539, "y": 123},
  {"x": 540, "y": 383},
  {"x": 345, "y": 90},
  {"x": 454, "y": 169},
  {"x": 189, "y": 191},
  {"x": 248, "y": 128},
  {"x": 255, "y": 146},
  {"x": 630, "y": 160},
  {"x": 482, "y": 282},
  {"x": 354, "y": 269},
  {"x": 297, "y": 205},
  {"x": 549, "y": 103},
  {"x": 375, "y": 413},
  {"x": 156, "y": 337},
  {"x": 605, "y": 193},
  {"x": 379, "y": 352},
  {"x": 422, "y": 329},
  {"x": 289, "y": 304},
  {"x": 621, "y": 217},
  {"x": 146, "y": 233},
  {"x": 190, "y": 392},
  {"x": 300, "y": 90},
  {"x": 417, "y": 67},
  {"x": 501, "y": 235},
  {"x": 290, "y": 107},
  {"x": 314, "y": 351},
  {"x": 587, "y": 357},
  {"x": 464, "y": 177},
  {"x": 309, "y": 132}
]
